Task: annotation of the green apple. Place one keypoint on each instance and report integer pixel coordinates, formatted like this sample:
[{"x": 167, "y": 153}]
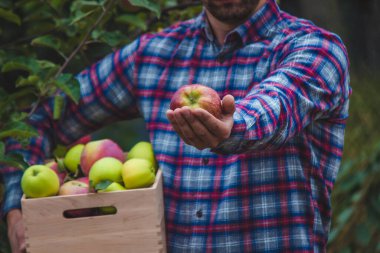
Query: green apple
[
  {"x": 143, "y": 150},
  {"x": 72, "y": 158},
  {"x": 105, "y": 169},
  {"x": 39, "y": 181},
  {"x": 111, "y": 188},
  {"x": 114, "y": 186},
  {"x": 138, "y": 173}
]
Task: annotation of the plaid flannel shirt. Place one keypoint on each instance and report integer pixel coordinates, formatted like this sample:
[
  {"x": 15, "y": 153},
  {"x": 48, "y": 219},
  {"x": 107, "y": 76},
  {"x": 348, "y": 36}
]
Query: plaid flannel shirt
[{"x": 269, "y": 190}]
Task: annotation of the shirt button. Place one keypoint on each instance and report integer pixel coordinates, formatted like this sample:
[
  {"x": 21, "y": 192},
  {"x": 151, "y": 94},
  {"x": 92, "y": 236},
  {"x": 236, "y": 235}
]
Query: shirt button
[
  {"x": 205, "y": 161},
  {"x": 199, "y": 213}
]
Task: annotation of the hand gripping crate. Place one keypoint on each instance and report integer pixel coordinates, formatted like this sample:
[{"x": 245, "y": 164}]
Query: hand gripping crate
[{"x": 138, "y": 225}]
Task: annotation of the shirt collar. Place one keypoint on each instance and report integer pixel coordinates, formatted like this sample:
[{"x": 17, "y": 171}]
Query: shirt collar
[{"x": 255, "y": 28}]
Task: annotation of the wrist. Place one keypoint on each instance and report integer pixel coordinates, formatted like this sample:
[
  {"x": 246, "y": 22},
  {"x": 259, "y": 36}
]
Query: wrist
[{"x": 13, "y": 215}]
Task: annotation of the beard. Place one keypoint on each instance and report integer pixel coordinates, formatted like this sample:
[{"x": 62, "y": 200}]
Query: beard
[{"x": 231, "y": 11}]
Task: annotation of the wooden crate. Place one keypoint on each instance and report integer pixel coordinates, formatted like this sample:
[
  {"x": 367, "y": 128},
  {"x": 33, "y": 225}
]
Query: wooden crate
[{"x": 138, "y": 226}]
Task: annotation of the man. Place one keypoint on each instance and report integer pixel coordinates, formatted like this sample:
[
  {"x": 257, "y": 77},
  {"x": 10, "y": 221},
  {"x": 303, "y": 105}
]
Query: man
[{"x": 259, "y": 179}]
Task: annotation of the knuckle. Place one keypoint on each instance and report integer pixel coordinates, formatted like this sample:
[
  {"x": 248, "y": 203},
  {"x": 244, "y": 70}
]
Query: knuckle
[{"x": 225, "y": 134}]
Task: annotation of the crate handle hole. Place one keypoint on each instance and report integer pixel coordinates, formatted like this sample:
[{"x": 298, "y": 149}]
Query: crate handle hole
[{"x": 89, "y": 212}]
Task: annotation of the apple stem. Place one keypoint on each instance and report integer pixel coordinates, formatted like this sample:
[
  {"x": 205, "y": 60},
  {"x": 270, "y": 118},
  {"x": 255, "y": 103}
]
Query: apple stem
[{"x": 35, "y": 173}]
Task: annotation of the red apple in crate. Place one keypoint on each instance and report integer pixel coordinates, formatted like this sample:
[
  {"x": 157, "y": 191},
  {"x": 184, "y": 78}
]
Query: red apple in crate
[
  {"x": 75, "y": 187},
  {"x": 197, "y": 96},
  {"x": 95, "y": 150},
  {"x": 60, "y": 172}
]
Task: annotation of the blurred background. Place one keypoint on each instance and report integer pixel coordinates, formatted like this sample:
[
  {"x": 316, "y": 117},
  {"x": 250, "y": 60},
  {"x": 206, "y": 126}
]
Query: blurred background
[{"x": 50, "y": 38}]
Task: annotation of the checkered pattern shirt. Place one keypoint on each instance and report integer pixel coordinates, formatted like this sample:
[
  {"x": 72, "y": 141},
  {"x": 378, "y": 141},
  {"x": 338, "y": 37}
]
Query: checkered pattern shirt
[{"x": 269, "y": 190}]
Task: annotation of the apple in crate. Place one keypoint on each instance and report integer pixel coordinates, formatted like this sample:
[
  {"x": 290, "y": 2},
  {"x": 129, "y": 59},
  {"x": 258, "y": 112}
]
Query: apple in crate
[
  {"x": 72, "y": 158},
  {"x": 114, "y": 186},
  {"x": 138, "y": 173},
  {"x": 95, "y": 150},
  {"x": 197, "y": 96},
  {"x": 75, "y": 187},
  {"x": 60, "y": 172},
  {"x": 39, "y": 181},
  {"x": 143, "y": 150},
  {"x": 105, "y": 169}
]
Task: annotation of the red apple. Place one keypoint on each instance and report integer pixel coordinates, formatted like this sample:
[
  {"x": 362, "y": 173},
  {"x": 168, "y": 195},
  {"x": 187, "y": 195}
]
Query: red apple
[
  {"x": 95, "y": 150},
  {"x": 74, "y": 187},
  {"x": 197, "y": 96},
  {"x": 60, "y": 172}
]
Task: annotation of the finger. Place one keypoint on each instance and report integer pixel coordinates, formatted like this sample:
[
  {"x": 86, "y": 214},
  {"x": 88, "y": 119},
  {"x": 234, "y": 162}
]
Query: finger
[
  {"x": 205, "y": 138},
  {"x": 228, "y": 105},
  {"x": 214, "y": 125},
  {"x": 186, "y": 128},
  {"x": 170, "y": 115}
]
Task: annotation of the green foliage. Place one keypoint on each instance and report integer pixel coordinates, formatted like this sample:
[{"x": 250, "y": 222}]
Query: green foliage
[
  {"x": 44, "y": 44},
  {"x": 356, "y": 196}
]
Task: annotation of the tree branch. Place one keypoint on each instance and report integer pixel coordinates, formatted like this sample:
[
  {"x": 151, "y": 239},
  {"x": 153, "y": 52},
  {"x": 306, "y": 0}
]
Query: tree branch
[{"x": 82, "y": 43}]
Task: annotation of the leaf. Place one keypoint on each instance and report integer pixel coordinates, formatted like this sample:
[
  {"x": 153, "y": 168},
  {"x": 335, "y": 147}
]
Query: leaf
[
  {"x": 148, "y": 4},
  {"x": 58, "y": 104},
  {"x": 113, "y": 39},
  {"x": 2, "y": 149},
  {"x": 345, "y": 215},
  {"x": 363, "y": 234},
  {"x": 4, "y": 100},
  {"x": 14, "y": 65},
  {"x": 17, "y": 129},
  {"x": 10, "y": 16},
  {"x": 28, "y": 64},
  {"x": 31, "y": 80},
  {"x": 103, "y": 185},
  {"x": 47, "y": 41},
  {"x": 135, "y": 20},
  {"x": 69, "y": 85},
  {"x": 14, "y": 160},
  {"x": 82, "y": 16},
  {"x": 59, "y": 151}
]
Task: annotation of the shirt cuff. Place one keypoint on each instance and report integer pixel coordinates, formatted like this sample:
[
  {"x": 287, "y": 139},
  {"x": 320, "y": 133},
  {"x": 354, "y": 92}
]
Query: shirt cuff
[
  {"x": 13, "y": 191},
  {"x": 235, "y": 143}
]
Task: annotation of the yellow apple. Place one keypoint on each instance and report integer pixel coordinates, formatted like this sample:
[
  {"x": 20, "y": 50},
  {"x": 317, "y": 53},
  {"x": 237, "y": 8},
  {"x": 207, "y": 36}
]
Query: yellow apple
[
  {"x": 138, "y": 173},
  {"x": 143, "y": 150}
]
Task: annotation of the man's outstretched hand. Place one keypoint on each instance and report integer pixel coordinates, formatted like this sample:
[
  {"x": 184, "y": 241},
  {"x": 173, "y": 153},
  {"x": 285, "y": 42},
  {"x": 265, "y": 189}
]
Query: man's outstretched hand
[{"x": 199, "y": 128}]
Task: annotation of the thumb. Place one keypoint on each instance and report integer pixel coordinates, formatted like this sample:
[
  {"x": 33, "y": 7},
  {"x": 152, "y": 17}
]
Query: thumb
[{"x": 228, "y": 105}]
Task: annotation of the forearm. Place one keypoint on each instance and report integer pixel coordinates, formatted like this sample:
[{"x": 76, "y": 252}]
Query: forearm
[{"x": 13, "y": 192}]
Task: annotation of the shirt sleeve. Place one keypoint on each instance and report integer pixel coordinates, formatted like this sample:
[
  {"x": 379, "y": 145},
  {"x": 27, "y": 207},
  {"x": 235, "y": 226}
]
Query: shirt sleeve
[
  {"x": 309, "y": 82},
  {"x": 107, "y": 95}
]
